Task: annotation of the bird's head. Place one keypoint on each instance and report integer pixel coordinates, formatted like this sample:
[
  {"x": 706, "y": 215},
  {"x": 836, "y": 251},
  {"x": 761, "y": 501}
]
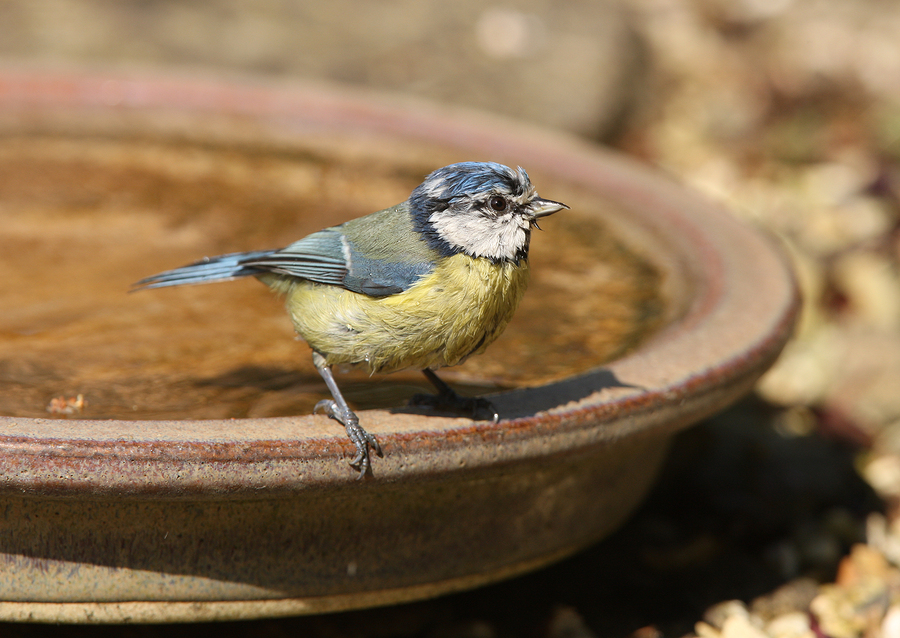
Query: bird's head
[{"x": 481, "y": 208}]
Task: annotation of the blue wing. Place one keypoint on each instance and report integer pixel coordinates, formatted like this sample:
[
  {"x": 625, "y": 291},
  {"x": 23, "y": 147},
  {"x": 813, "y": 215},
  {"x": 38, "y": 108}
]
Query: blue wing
[
  {"x": 320, "y": 257},
  {"x": 377, "y": 264},
  {"x": 208, "y": 269}
]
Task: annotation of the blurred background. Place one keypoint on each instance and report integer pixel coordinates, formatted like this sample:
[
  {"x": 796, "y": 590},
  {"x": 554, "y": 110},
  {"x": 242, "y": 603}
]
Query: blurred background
[{"x": 776, "y": 518}]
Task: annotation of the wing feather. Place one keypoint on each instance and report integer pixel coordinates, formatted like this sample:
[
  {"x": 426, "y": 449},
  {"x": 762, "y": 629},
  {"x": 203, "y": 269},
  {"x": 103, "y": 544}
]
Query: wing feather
[
  {"x": 319, "y": 257},
  {"x": 378, "y": 255}
]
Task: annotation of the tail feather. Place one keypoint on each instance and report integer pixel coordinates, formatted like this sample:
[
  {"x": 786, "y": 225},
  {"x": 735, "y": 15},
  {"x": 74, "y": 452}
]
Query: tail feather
[{"x": 207, "y": 270}]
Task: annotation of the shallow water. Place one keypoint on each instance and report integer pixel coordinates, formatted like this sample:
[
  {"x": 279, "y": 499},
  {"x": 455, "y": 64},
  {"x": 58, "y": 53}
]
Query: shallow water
[{"x": 85, "y": 217}]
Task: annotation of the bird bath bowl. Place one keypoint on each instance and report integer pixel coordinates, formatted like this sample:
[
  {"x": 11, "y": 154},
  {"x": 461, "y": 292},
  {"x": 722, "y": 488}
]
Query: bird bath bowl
[{"x": 192, "y": 481}]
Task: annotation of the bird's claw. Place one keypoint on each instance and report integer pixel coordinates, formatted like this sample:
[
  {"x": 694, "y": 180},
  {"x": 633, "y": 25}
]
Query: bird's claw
[
  {"x": 357, "y": 434},
  {"x": 453, "y": 402}
]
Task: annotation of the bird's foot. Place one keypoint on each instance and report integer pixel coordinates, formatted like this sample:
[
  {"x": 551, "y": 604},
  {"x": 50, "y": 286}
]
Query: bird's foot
[
  {"x": 360, "y": 438},
  {"x": 449, "y": 401}
]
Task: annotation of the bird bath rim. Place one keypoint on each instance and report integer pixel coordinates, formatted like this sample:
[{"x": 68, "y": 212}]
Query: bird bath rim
[{"x": 710, "y": 351}]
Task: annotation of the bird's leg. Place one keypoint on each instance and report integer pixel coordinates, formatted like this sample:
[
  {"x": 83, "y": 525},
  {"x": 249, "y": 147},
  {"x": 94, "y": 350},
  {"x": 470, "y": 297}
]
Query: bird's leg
[
  {"x": 447, "y": 399},
  {"x": 338, "y": 410}
]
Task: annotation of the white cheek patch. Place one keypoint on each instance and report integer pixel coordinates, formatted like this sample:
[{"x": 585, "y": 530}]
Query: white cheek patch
[{"x": 501, "y": 237}]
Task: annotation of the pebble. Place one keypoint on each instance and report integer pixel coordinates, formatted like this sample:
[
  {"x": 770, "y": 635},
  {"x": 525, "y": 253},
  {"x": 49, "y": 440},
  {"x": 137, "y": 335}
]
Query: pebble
[
  {"x": 739, "y": 626},
  {"x": 807, "y": 371},
  {"x": 871, "y": 285},
  {"x": 795, "y": 596},
  {"x": 716, "y": 615},
  {"x": 883, "y": 474},
  {"x": 705, "y": 630},
  {"x": 890, "y": 626},
  {"x": 566, "y": 622},
  {"x": 860, "y": 596},
  {"x": 884, "y": 536},
  {"x": 791, "y": 625},
  {"x": 730, "y": 619}
]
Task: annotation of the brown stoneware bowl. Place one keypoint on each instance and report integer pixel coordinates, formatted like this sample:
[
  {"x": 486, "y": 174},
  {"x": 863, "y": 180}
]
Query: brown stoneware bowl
[{"x": 192, "y": 481}]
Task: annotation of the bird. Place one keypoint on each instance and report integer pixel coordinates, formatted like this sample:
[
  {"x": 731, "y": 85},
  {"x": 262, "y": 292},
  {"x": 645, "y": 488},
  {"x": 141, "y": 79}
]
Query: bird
[{"x": 423, "y": 284}]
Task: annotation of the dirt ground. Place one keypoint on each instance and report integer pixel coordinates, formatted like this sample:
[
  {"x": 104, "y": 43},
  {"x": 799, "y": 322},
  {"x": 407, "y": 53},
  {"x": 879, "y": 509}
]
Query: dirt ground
[{"x": 777, "y": 518}]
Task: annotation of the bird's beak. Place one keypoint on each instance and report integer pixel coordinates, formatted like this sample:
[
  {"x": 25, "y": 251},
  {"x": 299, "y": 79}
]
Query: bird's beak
[{"x": 543, "y": 207}]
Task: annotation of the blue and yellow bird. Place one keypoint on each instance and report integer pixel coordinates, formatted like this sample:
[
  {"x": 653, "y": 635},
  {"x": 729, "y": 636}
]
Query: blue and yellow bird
[{"x": 423, "y": 284}]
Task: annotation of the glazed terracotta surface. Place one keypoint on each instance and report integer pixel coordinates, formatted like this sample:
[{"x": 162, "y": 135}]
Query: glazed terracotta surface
[{"x": 118, "y": 519}]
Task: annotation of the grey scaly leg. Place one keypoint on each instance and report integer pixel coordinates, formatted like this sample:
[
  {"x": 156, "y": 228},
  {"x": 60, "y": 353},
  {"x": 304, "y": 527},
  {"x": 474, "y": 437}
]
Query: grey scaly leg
[
  {"x": 448, "y": 399},
  {"x": 341, "y": 412}
]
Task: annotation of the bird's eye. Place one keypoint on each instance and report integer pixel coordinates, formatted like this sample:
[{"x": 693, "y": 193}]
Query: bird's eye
[{"x": 498, "y": 203}]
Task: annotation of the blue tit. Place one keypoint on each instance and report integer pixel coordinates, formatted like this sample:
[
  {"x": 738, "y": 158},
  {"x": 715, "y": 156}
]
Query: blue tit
[{"x": 424, "y": 284}]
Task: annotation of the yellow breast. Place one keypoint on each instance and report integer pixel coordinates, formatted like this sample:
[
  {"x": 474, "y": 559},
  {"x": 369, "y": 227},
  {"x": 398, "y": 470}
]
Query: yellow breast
[{"x": 456, "y": 311}]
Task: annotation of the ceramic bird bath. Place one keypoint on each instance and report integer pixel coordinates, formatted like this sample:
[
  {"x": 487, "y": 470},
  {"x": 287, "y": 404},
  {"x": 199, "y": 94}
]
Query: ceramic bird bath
[{"x": 159, "y": 459}]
